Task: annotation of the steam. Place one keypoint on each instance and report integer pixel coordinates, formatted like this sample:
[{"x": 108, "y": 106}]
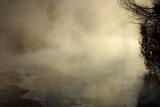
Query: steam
[{"x": 70, "y": 48}]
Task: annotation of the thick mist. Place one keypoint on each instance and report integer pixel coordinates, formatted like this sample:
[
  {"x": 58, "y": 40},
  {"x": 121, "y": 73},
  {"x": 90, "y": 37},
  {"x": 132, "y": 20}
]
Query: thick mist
[{"x": 77, "y": 49}]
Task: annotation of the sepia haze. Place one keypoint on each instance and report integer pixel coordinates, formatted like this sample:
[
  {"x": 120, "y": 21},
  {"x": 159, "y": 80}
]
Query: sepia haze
[{"x": 75, "y": 48}]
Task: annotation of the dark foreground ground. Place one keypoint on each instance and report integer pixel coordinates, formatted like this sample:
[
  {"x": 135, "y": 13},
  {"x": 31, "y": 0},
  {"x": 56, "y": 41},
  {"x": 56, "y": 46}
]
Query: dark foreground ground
[{"x": 12, "y": 97}]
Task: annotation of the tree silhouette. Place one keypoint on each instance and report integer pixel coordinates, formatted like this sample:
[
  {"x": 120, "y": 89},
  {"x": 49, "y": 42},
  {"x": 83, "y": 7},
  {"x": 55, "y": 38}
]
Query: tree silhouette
[{"x": 149, "y": 18}]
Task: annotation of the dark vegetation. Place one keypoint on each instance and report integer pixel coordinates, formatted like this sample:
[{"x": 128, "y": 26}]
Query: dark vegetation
[{"x": 149, "y": 18}]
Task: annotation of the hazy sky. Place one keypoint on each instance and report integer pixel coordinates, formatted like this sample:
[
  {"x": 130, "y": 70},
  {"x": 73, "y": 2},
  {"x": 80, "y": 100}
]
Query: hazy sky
[{"x": 83, "y": 48}]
